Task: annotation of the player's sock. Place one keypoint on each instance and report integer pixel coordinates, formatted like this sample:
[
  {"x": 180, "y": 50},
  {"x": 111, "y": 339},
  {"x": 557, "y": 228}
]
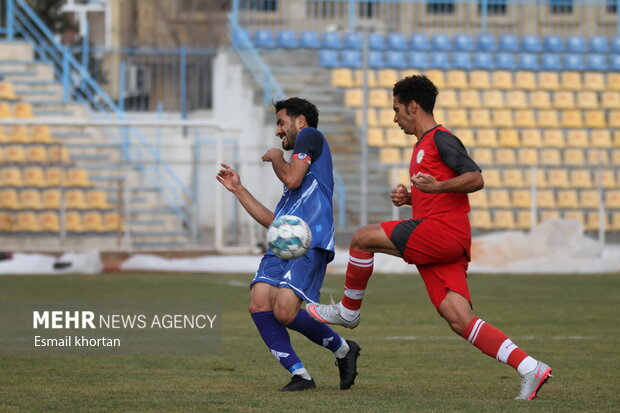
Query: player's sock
[
  {"x": 278, "y": 341},
  {"x": 495, "y": 343},
  {"x": 319, "y": 333},
  {"x": 299, "y": 370},
  {"x": 359, "y": 271}
]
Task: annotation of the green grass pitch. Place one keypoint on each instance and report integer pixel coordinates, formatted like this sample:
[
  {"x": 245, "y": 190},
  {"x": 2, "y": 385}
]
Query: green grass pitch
[{"x": 410, "y": 359}]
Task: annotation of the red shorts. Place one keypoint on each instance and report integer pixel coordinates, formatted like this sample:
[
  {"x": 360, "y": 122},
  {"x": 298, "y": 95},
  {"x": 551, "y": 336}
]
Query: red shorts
[{"x": 441, "y": 260}]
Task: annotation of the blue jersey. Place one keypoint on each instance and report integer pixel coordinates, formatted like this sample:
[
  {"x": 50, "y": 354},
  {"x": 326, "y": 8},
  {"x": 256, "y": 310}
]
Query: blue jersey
[{"x": 312, "y": 200}]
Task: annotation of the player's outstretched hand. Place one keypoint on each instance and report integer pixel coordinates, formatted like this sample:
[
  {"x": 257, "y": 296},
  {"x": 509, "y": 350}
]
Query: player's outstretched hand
[
  {"x": 425, "y": 183},
  {"x": 228, "y": 177},
  {"x": 400, "y": 195}
]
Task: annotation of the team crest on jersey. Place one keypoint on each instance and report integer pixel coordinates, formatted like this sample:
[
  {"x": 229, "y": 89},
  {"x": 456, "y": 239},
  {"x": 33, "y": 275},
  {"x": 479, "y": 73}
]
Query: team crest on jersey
[
  {"x": 420, "y": 156},
  {"x": 301, "y": 156}
]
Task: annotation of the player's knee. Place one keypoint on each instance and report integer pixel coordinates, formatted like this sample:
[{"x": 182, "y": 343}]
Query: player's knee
[
  {"x": 284, "y": 315},
  {"x": 360, "y": 238},
  {"x": 257, "y": 307}
]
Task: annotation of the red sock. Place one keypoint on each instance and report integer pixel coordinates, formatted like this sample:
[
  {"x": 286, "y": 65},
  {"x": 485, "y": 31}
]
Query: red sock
[
  {"x": 493, "y": 342},
  {"x": 359, "y": 271}
]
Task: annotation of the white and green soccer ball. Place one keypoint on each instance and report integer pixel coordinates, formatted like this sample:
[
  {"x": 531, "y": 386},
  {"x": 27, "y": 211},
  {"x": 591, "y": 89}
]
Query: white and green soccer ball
[{"x": 289, "y": 237}]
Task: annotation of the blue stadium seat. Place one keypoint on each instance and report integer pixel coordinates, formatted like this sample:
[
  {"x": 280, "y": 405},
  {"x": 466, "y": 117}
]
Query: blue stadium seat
[
  {"x": 351, "y": 59},
  {"x": 395, "y": 59},
  {"x": 508, "y": 43},
  {"x": 597, "y": 62},
  {"x": 463, "y": 43},
  {"x": 505, "y": 61},
  {"x": 551, "y": 62},
  {"x": 483, "y": 61},
  {"x": 287, "y": 39},
  {"x": 353, "y": 41},
  {"x": 396, "y": 41},
  {"x": 375, "y": 60},
  {"x": 573, "y": 61},
  {"x": 419, "y": 42},
  {"x": 328, "y": 58},
  {"x": 462, "y": 60},
  {"x": 614, "y": 62},
  {"x": 553, "y": 44},
  {"x": 599, "y": 44},
  {"x": 576, "y": 44},
  {"x": 331, "y": 40},
  {"x": 417, "y": 60},
  {"x": 376, "y": 41},
  {"x": 440, "y": 60},
  {"x": 486, "y": 43},
  {"x": 442, "y": 43},
  {"x": 309, "y": 40},
  {"x": 264, "y": 39},
  {"x": 531, "y": 44},
  {"x": 528, "y": 61},
  {"x": 614, "y": 44}
]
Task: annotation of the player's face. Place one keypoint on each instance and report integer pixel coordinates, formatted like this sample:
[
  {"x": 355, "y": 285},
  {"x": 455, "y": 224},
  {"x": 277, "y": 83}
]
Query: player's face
[
  {"x": 403, "y": 116},
  {"x": 286, "y": 130}
]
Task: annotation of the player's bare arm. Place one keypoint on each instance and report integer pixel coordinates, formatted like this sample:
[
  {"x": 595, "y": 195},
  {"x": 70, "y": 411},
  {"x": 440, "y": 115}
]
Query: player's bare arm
[
  {"x": 466, "y": 183},
  {"x": 291, "y": 174},
  {"x": 231, "y": 181},
  {"x": 400, "y": 196}
]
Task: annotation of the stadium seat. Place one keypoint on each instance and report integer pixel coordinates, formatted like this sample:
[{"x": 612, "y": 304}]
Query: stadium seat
[
  {"x": 587, "y": 100},
  {"x": 332, "y": 41},
  {"x": 51, "y": 199},
  {"x": 574, "y": 62},
  {"x": 371, "y": 118},
  {"x": 263, "y": 39},
  {"x": 480, "y": 118},
  {"x": 531, "y": 44},
  {"x": 614, "y": 63},
  {"x": 375, "y": 60},
  {"x": 353, "y": 41},
  {"x": 574, "y": 157},
  {"x": 387, "y": 78},
  {"x": 26, "y": 222},
  {"x": 389, "y": 156},
  {"x": 614, "y": 119},
  {"x": 457, "y": 118},
  {"x": 600, "y": 138},
  {"x": 287, "y": 39},
  {"x": 92, "y": 221},
  {"x": 483, "y": 61},
  {"x": 417, "y": 60},
  {"x": 595, "y": 119},
  {"x": 550, "y": 157},
  {"x": 608, "y": 179},
  {"x": 42, "y": 134},
  {"x": 10, "y": 177},
  {"x": 396, "y": 41},
  {"x": 49, "y": 221},
  {"x": 34, "y": 177},
  {"x": 524, "y": 118},
  {"x": 3, "y": 136},
  {"x": 358, "y": 76},
  {"x": 395, "y": 60},
  {"x": 504, "y": 219},
  {"x": 564, "y": 99},
  {"x": 342, "y": 77},
  {"x": 551, "y": 62},
  {"x": 379, "y": 98},
  {"x": 574, "y": 216},
  {"x": 486, "y": 43},
  {"x": 19, "y": 134},
  {"x": 396, "y": 137},
  {"x": 447, "y": 99},
  {"x": 6, "y": 222},
  {"x": 36, "y": 154},
  {"x": 589, "y": 199},
  {"x": 553, "y": 44},
  {"x": 480, "y": 79},
  {"x": 553, "y": 138},
  {"x": 509, "y": 138},
  {"x": 615, "y": 221},
  {"x": 438, "y": 77},
  {"x": 329, "y": 58},
  {"x": 484, "y": 156},
  {"x": 492, "y": 176},
  {"x": 548, "y": 80},
  {"x": 521, "y": 198},
  {"x": 351, "y": 59},
  {"x": 597, "y": 157},
  {"x": 546, "y": 199},
  {"x": 386, "y": 118},
  {"x": 531, "y": 138},
  {"x": 375, "y": 137},
  {"x": 456, "y": 79},
  {"x": 97, "y": 199},
  {"x": 499, "y": 198},
  {"x": 9, "y": 199},
  {"x": 376, "y": 41},
  {"x": 614, "y": 44},
  {"x": 581, "y": 178},
  {"x": 493, "y": 99},
  {"x": 15, "y": 154},
  {"x": 481, "y": 219},
  {"x": 502, "y": 79},
  {"x": 508, "y": 43},
  {"x": 486, "y": 137},
  {"x": 548, "y": 119},
  {"x": 309, "y": 40},
  {"x": 502, "y": 118},
  {"x": 462, "y": 61},
  {"x": 516, "y": 99},
  {"x": 465, "y": 135},
  {"x": 596, "y": 62},
  {"x": 441, "y": 43},
  {"x": 73, "y": 222},
  {"x": 112, "y": 222},
  {"x": 54, "y": 176},
  {"x": 577, "y": 138},
  {"x": 469, "y": 99},
  {"x": 526, "y": 80},
  {"x": 478, "y": 199},
  {"x": 75, "y": 199},
  {"x": 78, "y": 177},
  {"x": 464, "y": 43},
  {"x": 505, "y": 61},
  {"x": 30, "y": 199},
  {"x": 7, "y": 92},
  {"x": 599, "y": 44},
  {"x": 58, "y": 154},
  {"x": 610, "y": 100},
  {"x": 440, "y": 60},
  {"x": 505, "y": 156},
  {"x": 419, "y": 42},
  {"x": 593, "y": 221},
  {"x": 513, "y": 177},
  {"x": 576, "y": 44},
  {"x": 568, "y": 198}
]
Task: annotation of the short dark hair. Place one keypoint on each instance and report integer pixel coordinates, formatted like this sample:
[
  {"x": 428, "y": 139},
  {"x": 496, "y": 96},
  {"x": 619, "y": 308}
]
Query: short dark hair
[
  {"x": 297, "y": 106},
  {"x": 418, "y": 88}
]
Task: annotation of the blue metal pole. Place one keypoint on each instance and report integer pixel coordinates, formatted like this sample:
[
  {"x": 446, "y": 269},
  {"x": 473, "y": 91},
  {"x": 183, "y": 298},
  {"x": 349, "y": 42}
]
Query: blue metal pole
[
  {"x": 65, "y": 77},
  {"x": 10, "y": 20},
  {"x": 183, "y": 81},
  {"x": 483, "y": 15}
]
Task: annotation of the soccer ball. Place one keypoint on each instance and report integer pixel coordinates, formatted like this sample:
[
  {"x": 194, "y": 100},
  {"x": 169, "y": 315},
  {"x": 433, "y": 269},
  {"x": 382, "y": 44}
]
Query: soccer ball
[{"x": 289, "y": 237}]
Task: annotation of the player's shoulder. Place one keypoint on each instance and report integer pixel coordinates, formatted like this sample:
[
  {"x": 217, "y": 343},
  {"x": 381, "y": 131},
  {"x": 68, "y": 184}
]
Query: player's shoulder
[
  {"x": 444, "y": 137},
  {"x": 310, "y": 133}
]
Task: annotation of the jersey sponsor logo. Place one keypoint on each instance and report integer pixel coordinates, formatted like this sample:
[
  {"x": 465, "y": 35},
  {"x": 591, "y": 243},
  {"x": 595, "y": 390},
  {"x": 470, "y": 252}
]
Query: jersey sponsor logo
[
  {"x": 420, "y": 156},
  {"x": 302, "y": 157}
]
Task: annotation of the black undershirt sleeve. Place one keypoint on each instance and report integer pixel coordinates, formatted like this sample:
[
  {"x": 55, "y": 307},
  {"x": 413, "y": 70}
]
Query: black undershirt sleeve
[{"x": 454, "y": 154}]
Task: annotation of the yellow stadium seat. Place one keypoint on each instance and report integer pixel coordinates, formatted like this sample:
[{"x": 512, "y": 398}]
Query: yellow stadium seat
[
  {"x": 389, "y": 155},
  {"x": 545, "y": 215},
  {"x": 396, "y": 137},
  {"x": 440, "y": 115},
  {"x": 26, "y": 222},
  {"x": 614, "y": 119},
  {"x": 526, "y": 80},
  {"x": 504, "y": 219},
  {"x": 354, "y": 98},
  {"x": 513, "y": 177},
  {"x": 54, "y": 177},
  {"x": 386, "y": 118},
  {"x": 5, "y": 110},
  {"x": 78, "y": 177},
  {"x": 4, "y": 138},
  {"x": 558, "y": 178},
  {"x": 342, "y": 77},
  {"x": 612, "y": 199},
  {"x": 531, "y": 138},
  {"x": 524, "y": 220},
  {"x": 112, "y": 222},
  {"x": 589, "y": 199},
  {"x": 480, "y": 118},
  {"x": 387, "y": 78},
  {"x": 34, "y": 177},
  {"x": 375, "y": 137},
  {"x": 597, "y": 157},
  {"x": 521, "y": 198},
  {"x": 577, "y": 138},
  {"x": 546, "y": 199},
  {"x": 73, "y": 222},
  {"x": 594, "y": 81},
  {"x": 570, "y": 80},
  {"x": 408, "y": 73},
  {"x": 540, "y": 99},
  {"x": 15, "y": 154},
  {"x": 23, "y": 110},
  {"x": 481, "y": 219},
  {"x": 587, "y": 100},
  {"x": 51, "y": 199},
  {"x": 563, "y": 99},
  {"x": 6, "y": 222},
  {"x": 525, "y": 118},
  {"x": 550, "y": 157},
  {"x": 483, "y": 156},
  {"x": 19, "y": 134},
  {"x": 499, "y": 198},
  {"x": 479, "y": 79},
  {"x": 97, "y": 199},
  {"x": 466, "y": 136},
  {"x": 567, "y": 198},
  {"x": 457, "y": 79},
  {"x": 613, "y": 80},
  {"x": 457, "y": 118},
  {"x": 9, "y": 199},
  {"x": 505, "y": 156},
  {"x": 548, "y": 119},
  {"x": 581, "y": 178},
  {"x": 616, "y": 139},
  {"x": 574, "y": 157},
  {"x": 608, "y": 178},
  {"x": 379, "y": 98},
  {"x": 359, "y": 78},
  {"x": 438, "y": 77},
  {"x": 75, "y": 199},
  {"x": 11, "y": 177},
  {"x": 406, "y": 154},
  {"x": 469, "y": 99},
  {"x": 92, "y": 221},
  {"x": 548, "y": 80},
  {"x": 615, "y": 221},
  {"x": 404, "y": 177},
  {"x": 492, "y": 177},
  {"x": 36, "y": 154},
  {"x": 502, "y": 79},
  {"x": 49, "y": 221},
  {"x": 553, "y": 138},
  {"x": 486, "y": 138},
  {"x": 493, "y": 99},
  {"x": 528, "y": 157},
  {"x": 502, "y": 118},
  {"x": 58, "y": 154},
  {"x": 509, "y": 138},
  {"x": 447, "y": 99},
  {"x": 610, "y": 100},
  {"x": 42, "y": 134},
  {"x": 478, "y": 199},
  {"x": 371, "y": 118},
  {"x": 7, "y": 92},
  {"x": 516, "y": 99},
  {"x": 593, "y": 221},
  {"x": 574, "y": 216},
  {"x": 30, "y": 199},
  {"x": 595, "y": 119}
]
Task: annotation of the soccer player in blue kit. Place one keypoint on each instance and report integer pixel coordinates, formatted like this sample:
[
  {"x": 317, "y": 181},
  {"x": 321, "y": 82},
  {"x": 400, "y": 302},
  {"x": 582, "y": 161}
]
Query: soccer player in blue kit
[{"x": 279, "y": 286}]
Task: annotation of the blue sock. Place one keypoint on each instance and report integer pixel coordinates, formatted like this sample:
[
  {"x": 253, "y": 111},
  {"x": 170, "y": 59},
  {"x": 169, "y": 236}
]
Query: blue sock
[
  {"x": 316, "y": 332},
  {"x": 278, "y": 341}
]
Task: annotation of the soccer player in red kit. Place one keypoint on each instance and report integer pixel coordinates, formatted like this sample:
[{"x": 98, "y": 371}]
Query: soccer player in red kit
[{"x": 437, "y": 239}]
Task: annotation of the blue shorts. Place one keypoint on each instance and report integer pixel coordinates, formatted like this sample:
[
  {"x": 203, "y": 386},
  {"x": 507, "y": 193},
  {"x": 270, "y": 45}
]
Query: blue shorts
[{"x": 303, "y": 275}]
